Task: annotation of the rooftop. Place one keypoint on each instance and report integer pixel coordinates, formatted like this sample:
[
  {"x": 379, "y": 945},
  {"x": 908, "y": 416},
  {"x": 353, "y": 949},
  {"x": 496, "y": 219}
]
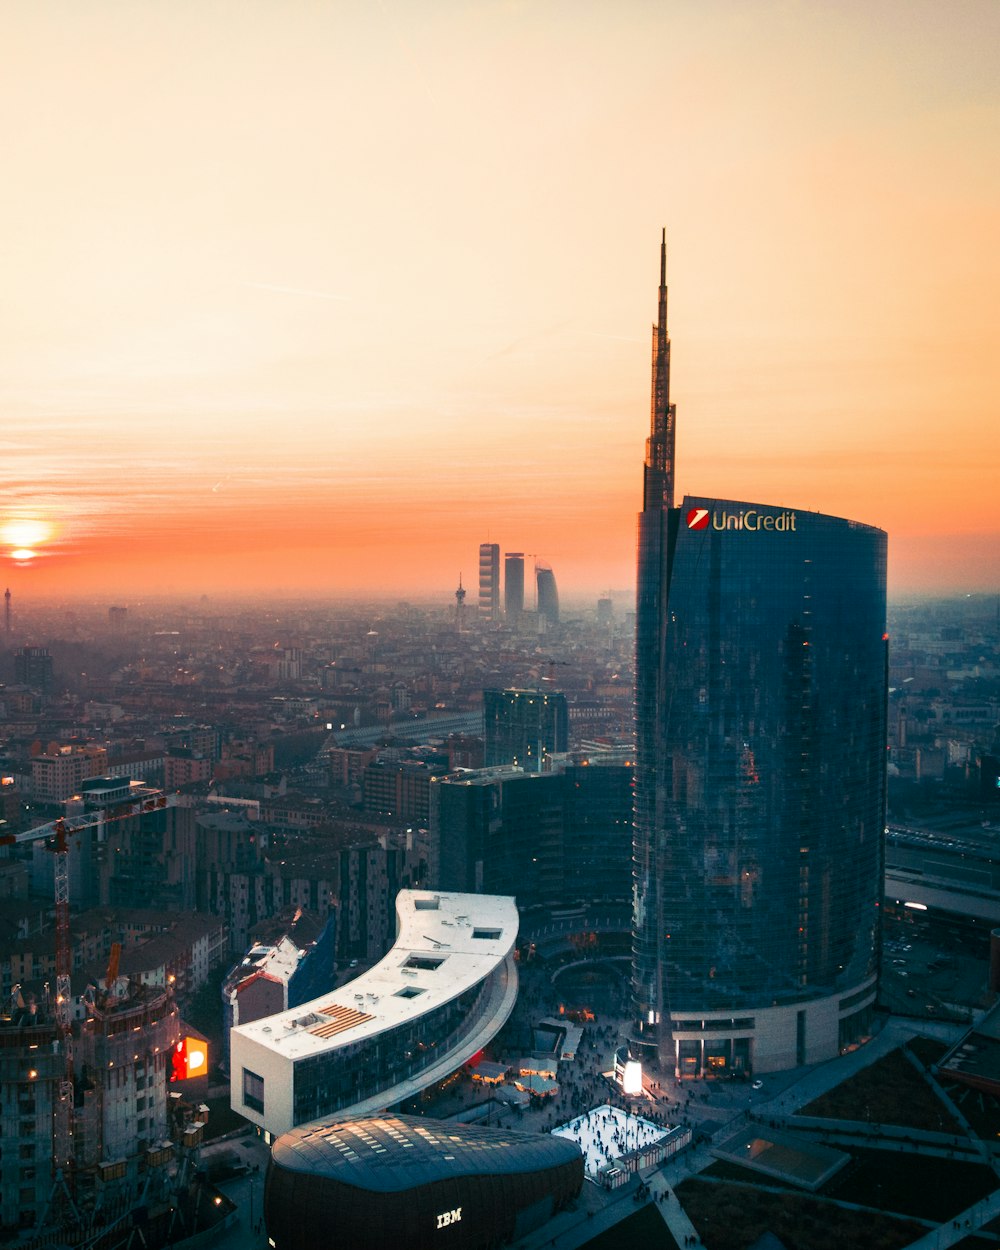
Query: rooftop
[
  {"x": 445, "y": 944},
  {"x": 394, "y": 1153}
]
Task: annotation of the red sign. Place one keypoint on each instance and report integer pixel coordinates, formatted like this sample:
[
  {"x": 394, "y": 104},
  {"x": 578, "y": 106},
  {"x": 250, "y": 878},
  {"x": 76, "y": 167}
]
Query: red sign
[{"x": 190, "y": 1058}]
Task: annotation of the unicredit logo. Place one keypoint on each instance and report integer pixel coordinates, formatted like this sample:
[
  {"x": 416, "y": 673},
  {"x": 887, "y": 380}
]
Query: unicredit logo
[{"x": 749, "y": 519}]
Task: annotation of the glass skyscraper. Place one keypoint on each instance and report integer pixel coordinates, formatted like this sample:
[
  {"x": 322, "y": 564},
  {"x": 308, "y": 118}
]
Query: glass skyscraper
[{"x": 760, "y": 779}]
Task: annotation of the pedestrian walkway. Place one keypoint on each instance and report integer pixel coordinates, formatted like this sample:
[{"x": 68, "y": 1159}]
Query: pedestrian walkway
[
  {"x": 968, "y": 1222},
  {"x": 674, "y": 1215},
  {"x": 571, "y": 1229}
]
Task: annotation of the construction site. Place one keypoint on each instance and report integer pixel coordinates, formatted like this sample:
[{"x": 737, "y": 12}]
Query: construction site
[{"x": 99, "y": 1138}]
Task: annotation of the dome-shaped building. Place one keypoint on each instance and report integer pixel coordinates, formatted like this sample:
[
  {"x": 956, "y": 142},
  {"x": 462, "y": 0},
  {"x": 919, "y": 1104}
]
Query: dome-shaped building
[{"x": 414, "y": 1184}]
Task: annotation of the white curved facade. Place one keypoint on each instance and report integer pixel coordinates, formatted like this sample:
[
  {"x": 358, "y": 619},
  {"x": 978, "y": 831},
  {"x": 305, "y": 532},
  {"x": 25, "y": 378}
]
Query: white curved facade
[{"x": 443, "y": 991}]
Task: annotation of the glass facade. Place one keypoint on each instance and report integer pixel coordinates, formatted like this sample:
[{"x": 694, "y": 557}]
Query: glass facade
[
  {"x": 554, "y": 840},
  {"x": 348, "y": 1075},
  {"x": 760, "y": 782},
  {"x": 547, "y": 594},
  {"x": 522, "y": 727},
  {"x": 513, "y": 585}
]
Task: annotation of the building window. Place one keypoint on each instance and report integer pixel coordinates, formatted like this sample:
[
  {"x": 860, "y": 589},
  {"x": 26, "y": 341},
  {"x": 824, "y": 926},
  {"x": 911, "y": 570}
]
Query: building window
[{"x": 253, "y": 1091}]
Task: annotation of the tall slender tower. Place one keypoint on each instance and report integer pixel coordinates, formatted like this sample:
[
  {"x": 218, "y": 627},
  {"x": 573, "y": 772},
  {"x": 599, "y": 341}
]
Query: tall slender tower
[
  {"x": 6, "y": 611},
  {"x": 460, "y": 605},
  {"x": 513, "y": 585},
  {"x": 761, "y": 677},
  {"x": 648, "y": 988},
  {"x": 658, "y": 480},
  {"x": 489, "y": 581}
]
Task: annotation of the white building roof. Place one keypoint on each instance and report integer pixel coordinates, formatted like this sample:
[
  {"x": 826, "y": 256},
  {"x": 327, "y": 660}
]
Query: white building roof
[{"x": 446, "y": 943}]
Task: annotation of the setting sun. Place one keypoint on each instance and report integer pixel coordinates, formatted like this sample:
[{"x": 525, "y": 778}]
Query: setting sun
[{"x": 23, "y": 533}]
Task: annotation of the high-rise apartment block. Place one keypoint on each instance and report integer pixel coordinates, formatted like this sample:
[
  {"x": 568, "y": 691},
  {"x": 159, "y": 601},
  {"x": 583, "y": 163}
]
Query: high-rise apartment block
[
  {"x": 760, "y": 780},
  {"x": 58, "y": 773},
  {"x": 33, "y": 667},
  {"x": 489, "y": 581}
]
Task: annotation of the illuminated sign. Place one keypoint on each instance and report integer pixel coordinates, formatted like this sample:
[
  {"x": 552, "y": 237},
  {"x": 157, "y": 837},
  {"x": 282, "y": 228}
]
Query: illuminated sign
[
  {"x": 190, "y": 1058},
  {"x": 449, "y": 1217},
  {"x": 632, "y": 1078},
  {"x": 749, "y": 519}
]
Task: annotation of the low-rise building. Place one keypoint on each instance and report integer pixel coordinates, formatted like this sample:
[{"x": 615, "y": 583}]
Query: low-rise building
[{"x": 442, "y": 992}]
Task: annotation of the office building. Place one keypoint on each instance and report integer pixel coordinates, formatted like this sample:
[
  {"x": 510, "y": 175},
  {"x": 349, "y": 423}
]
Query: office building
[
  {"x": 524, "y": 727},
  {"x": 489, "y": 581},
  {"x": 444, "y": 990},
  {"x": 413, "y": 1183},
  {"x": 513, "y": 585},
  {"x": 760, "y": 778},
  {"x": 557, "y": 840},
  {"x": 547, "y": 595}
]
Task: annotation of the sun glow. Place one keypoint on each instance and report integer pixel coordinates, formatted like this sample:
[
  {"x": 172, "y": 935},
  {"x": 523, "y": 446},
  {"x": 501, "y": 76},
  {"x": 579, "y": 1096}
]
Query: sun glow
[
  {"x": 22, "y": 554},
  {"x": 24, "y": 533}
]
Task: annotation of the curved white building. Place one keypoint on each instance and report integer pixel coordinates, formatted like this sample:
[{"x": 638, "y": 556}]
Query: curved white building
[{"x": 442, "y": 993}]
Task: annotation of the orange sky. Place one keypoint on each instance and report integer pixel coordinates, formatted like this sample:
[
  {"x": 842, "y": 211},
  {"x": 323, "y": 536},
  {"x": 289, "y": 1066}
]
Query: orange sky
[{"x": 319, "y": 295}]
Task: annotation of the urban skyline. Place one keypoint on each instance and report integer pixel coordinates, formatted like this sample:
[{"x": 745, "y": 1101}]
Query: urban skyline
[{"x": 285, "y": 285}]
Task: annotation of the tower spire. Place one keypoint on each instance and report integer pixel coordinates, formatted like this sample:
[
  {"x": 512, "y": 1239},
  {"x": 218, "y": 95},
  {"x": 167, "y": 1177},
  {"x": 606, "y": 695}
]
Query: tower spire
[
  {"x": 658, "y": 486},
  {"x": 663, "y": 258}
]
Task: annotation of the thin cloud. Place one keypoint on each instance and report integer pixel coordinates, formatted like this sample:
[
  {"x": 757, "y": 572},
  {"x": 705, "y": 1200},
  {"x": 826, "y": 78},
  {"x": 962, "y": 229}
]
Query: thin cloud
[{"x": 295, "y": 290}]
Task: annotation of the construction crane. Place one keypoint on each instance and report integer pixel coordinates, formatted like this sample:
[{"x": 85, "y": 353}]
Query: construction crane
[{"x": 57, "y": 834}]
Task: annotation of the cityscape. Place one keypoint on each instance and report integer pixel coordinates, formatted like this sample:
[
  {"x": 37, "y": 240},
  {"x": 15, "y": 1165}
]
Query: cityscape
[{"x": 441, "y": 805}]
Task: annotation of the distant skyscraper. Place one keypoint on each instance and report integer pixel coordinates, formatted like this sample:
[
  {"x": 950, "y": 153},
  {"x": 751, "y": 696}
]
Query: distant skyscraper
[
  {"x": 489, "y": 581},
  {"x": 117, "y": 619},
  {"x": 524, "y": 726},
  {"x": 6, "y": 611},
  {"x": 513, "y": 584},
  {"x": 760, "y": 778},
  {"x": 548, "y": 595}
]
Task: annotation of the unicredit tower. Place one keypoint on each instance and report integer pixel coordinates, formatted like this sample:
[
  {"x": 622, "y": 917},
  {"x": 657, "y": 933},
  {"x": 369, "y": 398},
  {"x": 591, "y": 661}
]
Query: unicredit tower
[{"x": 760, "y": 776}]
